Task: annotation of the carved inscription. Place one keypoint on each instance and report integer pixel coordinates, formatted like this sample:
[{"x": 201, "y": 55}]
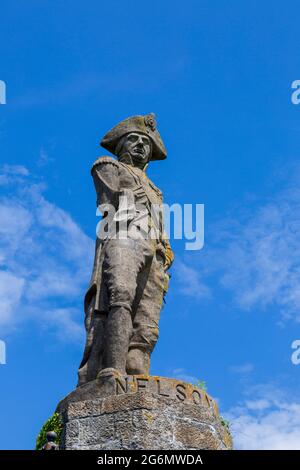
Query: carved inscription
[{"x": 170, "y": 388}]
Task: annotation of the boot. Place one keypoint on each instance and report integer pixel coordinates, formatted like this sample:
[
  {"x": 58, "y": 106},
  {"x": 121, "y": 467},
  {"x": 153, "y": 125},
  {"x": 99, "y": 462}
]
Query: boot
[{"x": 138, "y": 362}]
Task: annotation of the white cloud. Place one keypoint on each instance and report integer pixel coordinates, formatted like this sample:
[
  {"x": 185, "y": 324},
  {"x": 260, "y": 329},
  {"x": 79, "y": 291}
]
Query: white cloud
[
  {"x": 254, "y": 254},
  {"x": 15, "y": 170},
  {"x": 189, "y": 281},
  {"x": 45, "y": 258},
  {"x": 67, "y": 323},
  {"x": 262, "y": 257},
  {"x": 11, "y": 290},
  {"x": 44, "y": 158},
  {"x": 270, "y": 420},
  {"x": 258, "y": 405},
  {"x": 12, "y": 173}
]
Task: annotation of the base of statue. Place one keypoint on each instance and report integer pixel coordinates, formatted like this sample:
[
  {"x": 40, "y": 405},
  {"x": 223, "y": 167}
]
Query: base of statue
[{"x": 141, "y": 412}]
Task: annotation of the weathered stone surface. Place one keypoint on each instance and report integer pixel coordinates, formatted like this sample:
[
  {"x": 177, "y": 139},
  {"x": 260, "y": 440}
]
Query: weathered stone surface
[
  {"x": 144, "y": 413},
  {"x": 132, "y": 257},
  {"x": 115, "y": 384}
]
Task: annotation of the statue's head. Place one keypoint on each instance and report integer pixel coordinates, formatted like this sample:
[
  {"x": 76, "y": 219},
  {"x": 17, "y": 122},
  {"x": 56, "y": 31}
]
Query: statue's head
[
  {"x": 135, "y": 141},
  {"x": 51, "y": 436},
  {"x": 134, "y": 148}
]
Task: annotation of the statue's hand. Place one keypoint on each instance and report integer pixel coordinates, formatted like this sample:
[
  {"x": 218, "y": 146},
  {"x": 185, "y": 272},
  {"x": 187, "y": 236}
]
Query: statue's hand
[{"x": 169, "y": 258}]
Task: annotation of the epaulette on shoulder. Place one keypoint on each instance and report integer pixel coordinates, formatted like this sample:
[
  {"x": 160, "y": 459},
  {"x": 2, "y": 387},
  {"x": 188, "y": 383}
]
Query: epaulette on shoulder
[{"x": 105, "y": 159}]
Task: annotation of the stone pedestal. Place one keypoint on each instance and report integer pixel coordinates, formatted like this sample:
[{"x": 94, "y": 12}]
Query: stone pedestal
[{"x": 141, "y": 412}]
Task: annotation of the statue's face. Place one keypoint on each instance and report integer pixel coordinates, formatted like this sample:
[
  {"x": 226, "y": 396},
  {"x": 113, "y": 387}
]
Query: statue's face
[{"x": 138, "y": 146}]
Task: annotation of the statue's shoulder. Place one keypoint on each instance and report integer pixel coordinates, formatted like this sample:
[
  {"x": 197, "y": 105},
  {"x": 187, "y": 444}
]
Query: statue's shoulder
[{"x": 105, "y": 161}]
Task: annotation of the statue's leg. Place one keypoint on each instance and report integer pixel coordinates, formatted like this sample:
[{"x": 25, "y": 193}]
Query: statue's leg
[
  {"x": 145, "y": 322},
  {"x": 92, "y": 359},
  {"x": 83, "y": 368},
  {"x": 118, "y": 332},
  {"x": 94, "y": 363},
  {"x": 122, "y": 262}
]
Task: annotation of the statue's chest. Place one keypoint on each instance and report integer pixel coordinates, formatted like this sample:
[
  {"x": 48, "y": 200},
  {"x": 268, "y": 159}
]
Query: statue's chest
[{"x": 142, "y": 187}]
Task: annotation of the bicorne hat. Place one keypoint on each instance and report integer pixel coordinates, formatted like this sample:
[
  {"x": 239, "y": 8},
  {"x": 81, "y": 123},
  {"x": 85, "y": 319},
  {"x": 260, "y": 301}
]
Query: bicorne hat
[{"x": 143, "y": 124}]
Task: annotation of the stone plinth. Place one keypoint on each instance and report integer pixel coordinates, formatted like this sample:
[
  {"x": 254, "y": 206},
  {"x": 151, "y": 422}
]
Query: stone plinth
[{"x": 141, "y": 412}]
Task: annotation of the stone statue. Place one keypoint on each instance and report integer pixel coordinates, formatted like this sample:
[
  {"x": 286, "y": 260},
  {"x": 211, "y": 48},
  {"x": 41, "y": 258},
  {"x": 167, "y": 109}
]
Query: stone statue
[
  {"x": 117, "y": 403},
  {"x": 130, "y": 278}
]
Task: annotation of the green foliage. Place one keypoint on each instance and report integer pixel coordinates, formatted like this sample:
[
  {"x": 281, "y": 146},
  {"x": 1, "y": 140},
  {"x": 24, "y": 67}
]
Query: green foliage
[
  {"x": 201, "y": 384},
  {"x": 225, "y": 423},
  {"x": 54, "y": 423}
]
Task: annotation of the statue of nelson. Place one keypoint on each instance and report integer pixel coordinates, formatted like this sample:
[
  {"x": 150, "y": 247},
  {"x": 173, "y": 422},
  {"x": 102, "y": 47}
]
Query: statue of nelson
[{"x": 130, "y": 278}]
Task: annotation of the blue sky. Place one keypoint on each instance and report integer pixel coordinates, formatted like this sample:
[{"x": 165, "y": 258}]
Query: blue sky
[{"x": 218, "y": 76}]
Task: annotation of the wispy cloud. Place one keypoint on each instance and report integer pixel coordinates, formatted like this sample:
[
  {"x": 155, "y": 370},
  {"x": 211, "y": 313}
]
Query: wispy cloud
[
  {"x": 254, "y": 255},
  {"x": 10, "y": 173},
  {"x": 44, "y": 158},
  {"x": 270, "y": 420},
  {"x": 189, "y": 281},
  {"x": 11, "y": 291},
  {"x": 45, "y": 258},
  {"x": 242, "y": 369}
]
